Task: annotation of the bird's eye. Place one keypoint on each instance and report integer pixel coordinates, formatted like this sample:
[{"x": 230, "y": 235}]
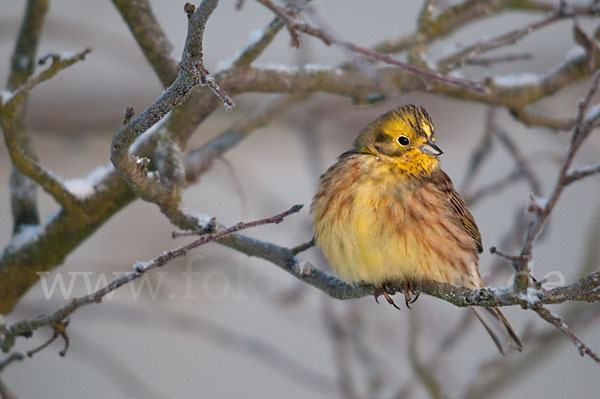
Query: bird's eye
[{"x": 403, "y": 140}]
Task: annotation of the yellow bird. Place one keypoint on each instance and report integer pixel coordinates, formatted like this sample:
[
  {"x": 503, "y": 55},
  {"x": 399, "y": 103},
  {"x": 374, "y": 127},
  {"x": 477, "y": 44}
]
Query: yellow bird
[{"x": 386, "y": 214}]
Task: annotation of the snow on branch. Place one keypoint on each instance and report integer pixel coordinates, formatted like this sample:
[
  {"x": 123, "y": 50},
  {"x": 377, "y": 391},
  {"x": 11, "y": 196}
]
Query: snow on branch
[{"x": 20, "y": 157}]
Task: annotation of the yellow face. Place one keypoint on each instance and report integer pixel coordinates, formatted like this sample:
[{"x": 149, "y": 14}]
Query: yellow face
[
  {"x": 404, "y": 136},
  {"x": 406, "y": 129}
]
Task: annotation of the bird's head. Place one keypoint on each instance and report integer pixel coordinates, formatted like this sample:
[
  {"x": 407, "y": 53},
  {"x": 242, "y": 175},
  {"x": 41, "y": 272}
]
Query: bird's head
[{"x": 403, "y": 136}]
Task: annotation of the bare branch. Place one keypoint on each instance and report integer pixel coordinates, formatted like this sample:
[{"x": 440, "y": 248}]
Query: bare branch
[
  {"x": 57, "y": 319},
  {"x": 540, "y": 348},
  {"x": 489, "y": 61},
  {"x": 200, "y": 160},
  {"x": 584, "y": 290},
  {"x": 23, "y": 190},
  {"x": 20, "y": 156},
  {"x": 302, "y": 247},
  {"x": 339, "y": 81},
  {"x": 495, "y": 187},
  {"x": 165, "y": 189},
  {"x": 394, "y": 45},
  {"x": 530, "y": 119},
  {"x": 59, "y": 62},
  {"x": 559, "y": 323},
  {"x": 256, "y": 48},
  {"x": 60, "y": 330},
  {"x": 150, "y": 37},
  {"x": 294, "y": 27},
  {"x": 13, "y": 357},
  {"x": 543, "y": 208},
  {"x": 581, "y": 173},
  {"x": 461, "y": 57}
]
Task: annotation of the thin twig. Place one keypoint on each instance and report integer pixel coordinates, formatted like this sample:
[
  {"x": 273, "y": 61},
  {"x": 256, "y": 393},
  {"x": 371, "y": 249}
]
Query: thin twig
[
  {"x": 13, "y": 357},
  {"x": 495, "y": 187},
  {"x": 302, "y": 247},
  {"x": 26, "y": 327},
  {"x": 540, "y": 348},
  {"x": 461, "y": 56},
  {"x": 544, "y": 344},
  {"x": 489, "y": 61},
  {"x": 256, "y": 48},
  {"x": 582, "y": 173},
  {"x": 59, "y": 328},
  {"x": 542, "y": 209},
  {"x": 559, "y": 323},
  {"x": 294, "y": 27},
  {"x": 586, "y": 289},
  {"x": 200, "y": 160}
]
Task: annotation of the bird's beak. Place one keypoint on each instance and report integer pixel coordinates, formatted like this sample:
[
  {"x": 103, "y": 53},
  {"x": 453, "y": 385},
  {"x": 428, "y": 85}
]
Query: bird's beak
[{"x": 431, "y": 148}]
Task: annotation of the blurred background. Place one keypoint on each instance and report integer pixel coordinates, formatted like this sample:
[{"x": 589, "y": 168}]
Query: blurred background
[{"x": 219, "y": 324}]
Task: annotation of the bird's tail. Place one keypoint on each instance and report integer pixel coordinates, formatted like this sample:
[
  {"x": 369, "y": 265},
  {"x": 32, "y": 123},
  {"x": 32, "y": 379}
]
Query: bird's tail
[{"x": 502, "y": 333}]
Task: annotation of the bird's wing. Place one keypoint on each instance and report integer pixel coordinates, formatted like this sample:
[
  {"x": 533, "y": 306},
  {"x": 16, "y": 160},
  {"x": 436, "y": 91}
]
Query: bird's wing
[{"x": 441, "y": 180}]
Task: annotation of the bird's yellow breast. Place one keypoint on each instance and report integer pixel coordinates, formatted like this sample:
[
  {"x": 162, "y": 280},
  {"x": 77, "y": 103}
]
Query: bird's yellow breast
[{"x": 377, "y": 224}]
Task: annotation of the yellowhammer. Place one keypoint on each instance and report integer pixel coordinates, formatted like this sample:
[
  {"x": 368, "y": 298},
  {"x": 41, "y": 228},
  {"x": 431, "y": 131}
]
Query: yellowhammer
[{"x": 386, "y": 214}]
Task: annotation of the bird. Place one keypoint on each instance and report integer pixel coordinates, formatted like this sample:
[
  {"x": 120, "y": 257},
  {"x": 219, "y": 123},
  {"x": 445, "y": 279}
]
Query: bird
[{"x": 386, "y": 214}]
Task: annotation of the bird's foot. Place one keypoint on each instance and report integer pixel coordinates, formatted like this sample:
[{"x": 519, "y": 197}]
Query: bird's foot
[
  {"x": 408, "y": 289},
  {"x": 386, "y": 291}
]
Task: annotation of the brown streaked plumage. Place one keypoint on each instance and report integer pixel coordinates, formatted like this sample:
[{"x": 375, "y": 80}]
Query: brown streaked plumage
[{"x": 386, "y": 214}]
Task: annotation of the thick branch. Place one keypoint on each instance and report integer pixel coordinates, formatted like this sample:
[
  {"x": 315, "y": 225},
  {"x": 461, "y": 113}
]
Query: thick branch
[
  {"x": 20, "y": 156},
  {"x": 23, "y": 191},
  {"x": 150, "y": 37},
  {"x": 586, "y": 289},
  {"x": 163, "y": 189},
  {"x": 530, "y": 119}
]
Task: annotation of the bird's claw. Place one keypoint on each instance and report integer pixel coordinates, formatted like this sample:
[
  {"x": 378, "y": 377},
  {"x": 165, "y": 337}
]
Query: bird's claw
[
  {"x": 407, "y": 290},
  {"x": 385, "y": 291}
]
